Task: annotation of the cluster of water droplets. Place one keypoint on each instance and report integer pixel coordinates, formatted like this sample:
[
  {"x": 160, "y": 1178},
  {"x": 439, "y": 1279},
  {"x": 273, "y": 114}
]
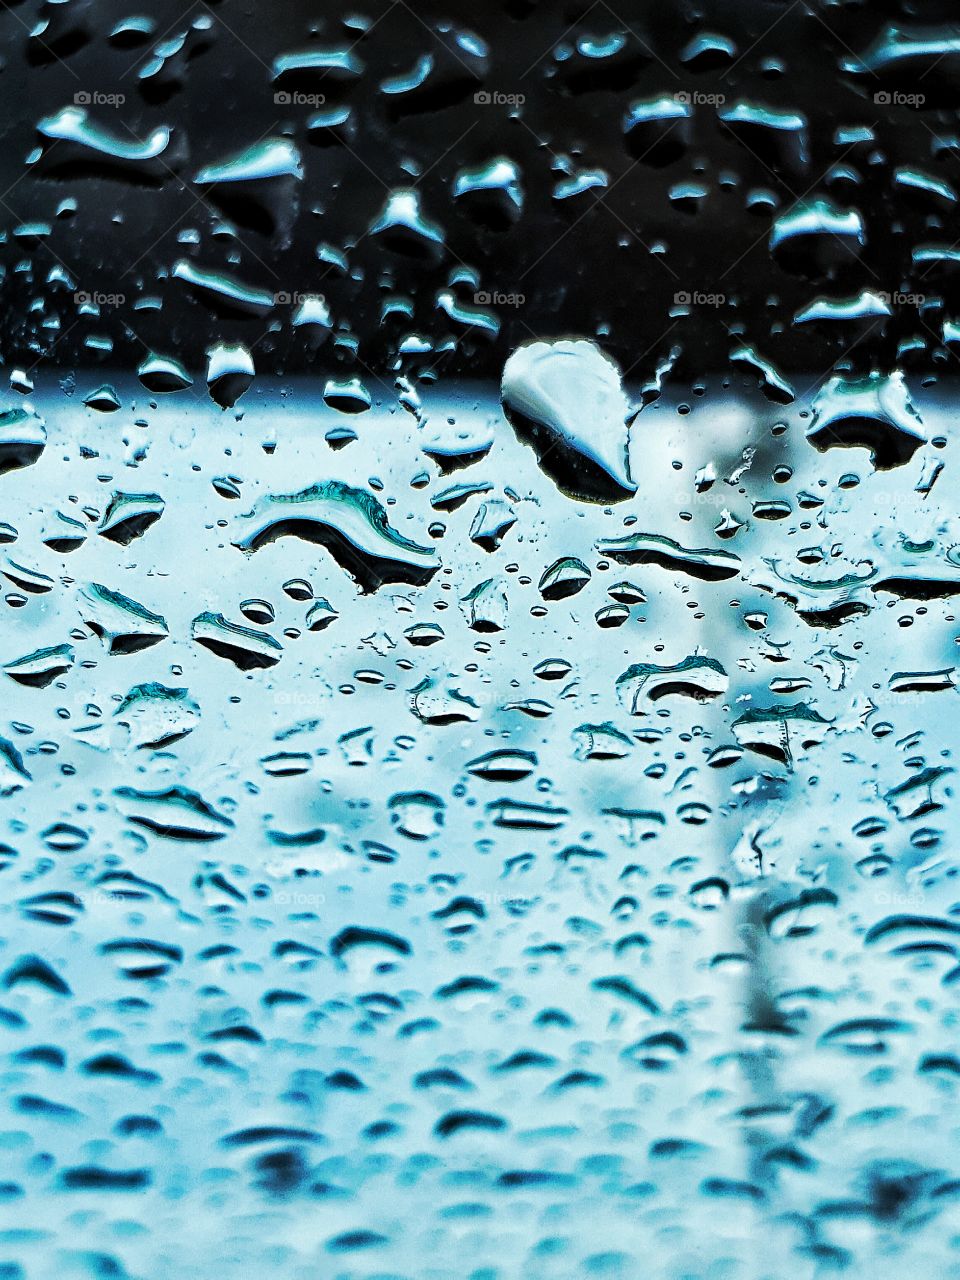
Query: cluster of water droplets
[{"x": 455, "y": 825}]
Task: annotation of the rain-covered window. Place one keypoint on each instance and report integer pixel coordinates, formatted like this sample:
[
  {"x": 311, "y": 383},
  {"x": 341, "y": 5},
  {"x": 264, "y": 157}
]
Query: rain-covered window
[{"x": 479, "y": 555}]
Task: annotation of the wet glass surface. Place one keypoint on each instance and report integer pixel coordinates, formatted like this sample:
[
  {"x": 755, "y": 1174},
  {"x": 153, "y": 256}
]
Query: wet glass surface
[{"x": 478, "y": 576}]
